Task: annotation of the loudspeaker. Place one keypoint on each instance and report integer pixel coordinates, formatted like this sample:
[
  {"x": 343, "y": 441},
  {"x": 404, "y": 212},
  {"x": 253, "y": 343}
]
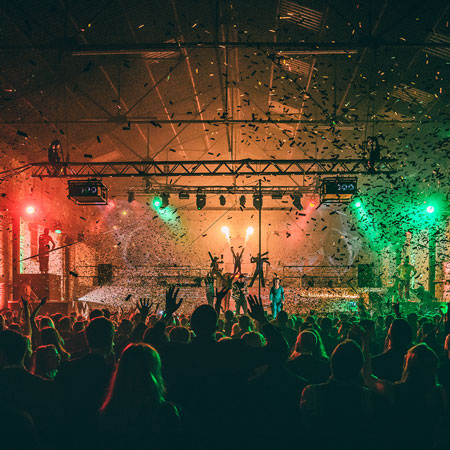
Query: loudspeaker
[
  {"x": 105, "y": 273},
  {"x": 366, "y": 276},
  {"x": 43, "y": 284}
]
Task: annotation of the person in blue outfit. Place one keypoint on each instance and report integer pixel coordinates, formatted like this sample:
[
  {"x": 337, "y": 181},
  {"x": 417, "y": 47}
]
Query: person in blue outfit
[{"x": 276, "y": 297}]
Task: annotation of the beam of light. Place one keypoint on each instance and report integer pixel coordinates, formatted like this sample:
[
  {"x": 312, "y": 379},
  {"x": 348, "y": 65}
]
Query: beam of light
[
  {"x": 358, "y": 204},
  {"x": 250, "y": 231},
  {"x": 226, "y": 231},
  {"x": 30, "y": 209},
  {"x": 430, "y": 209}
]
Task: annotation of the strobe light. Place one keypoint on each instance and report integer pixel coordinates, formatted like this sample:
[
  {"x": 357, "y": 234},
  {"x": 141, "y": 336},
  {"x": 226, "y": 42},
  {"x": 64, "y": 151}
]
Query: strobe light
[
  {"x": 257, "y": 201},
  {"x": 200, "y": 201}
]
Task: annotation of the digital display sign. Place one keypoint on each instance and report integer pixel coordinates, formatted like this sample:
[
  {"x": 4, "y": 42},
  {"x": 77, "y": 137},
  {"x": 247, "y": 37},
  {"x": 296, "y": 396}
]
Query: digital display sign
[{"x": 91, "y": 192}]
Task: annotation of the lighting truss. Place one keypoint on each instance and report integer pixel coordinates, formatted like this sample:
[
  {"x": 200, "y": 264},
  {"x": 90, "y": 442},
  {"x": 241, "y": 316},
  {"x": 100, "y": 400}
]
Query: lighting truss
[
  {"x": 247, "y": 167},
  {"x": 223, "y": 190}
]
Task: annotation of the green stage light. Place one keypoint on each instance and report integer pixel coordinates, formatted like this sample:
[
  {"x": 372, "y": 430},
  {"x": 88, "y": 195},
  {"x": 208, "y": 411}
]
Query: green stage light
[
  {"x": 157, "y": 202},
  {"x": 430, "y": 209},
  {"x": 358, "y": 204}
]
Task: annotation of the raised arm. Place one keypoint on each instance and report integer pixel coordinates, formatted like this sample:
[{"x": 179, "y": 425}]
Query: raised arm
[
  {"x": 382, "y": 387},
  {"x": 26, "y": 319},
  {"x": 34, "y": 330}
]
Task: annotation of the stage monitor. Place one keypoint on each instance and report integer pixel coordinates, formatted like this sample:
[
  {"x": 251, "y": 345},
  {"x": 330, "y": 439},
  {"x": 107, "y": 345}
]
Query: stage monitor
[
  {"x": 90, "y": 192},
  {"x": 338, "y": 189}
]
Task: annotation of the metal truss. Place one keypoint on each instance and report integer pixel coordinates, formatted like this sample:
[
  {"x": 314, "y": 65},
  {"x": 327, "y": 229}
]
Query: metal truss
[
  {"x": 215, "y": 190},
  {"x": 246, "y": 167}
]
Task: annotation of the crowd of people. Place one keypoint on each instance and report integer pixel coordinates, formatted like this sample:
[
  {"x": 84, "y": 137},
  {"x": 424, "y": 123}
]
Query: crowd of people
[{"x": 157, "y": 379}]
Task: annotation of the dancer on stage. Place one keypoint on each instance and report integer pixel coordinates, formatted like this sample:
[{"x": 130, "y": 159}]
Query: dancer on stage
[
  {"x": 215, "y": 269},
  {"x": 276, "y": 297},
  {"x": 210, "y": 289},
  {"x": 240, "y": 292},
  {"x": 44, "y": 246},
  {"x": 405, "y": 272},
  {"x": 237, "y": 260},
  {"x": 260, "y": 260}
]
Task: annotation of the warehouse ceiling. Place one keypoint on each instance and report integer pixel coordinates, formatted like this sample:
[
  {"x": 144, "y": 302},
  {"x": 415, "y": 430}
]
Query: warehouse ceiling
[{"x": 181, "y": 80}]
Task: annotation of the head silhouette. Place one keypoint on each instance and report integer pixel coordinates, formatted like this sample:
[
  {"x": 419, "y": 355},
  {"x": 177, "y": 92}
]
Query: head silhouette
[
  {"x": 306, "y": 342},
  {"x": 346, "y": 361},
  {"x": 100, "y": 334},
  {"x": 13, "y": 347},
  {"x": 400, "y": 335},
  {"x": 420, "y": 366},
  {"x": 204, "y": 321},
  {"x": 137, "y": 383}
]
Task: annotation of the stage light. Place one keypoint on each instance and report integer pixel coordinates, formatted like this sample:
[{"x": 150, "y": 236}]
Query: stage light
[
  {"x": 430, "y": 209},
  {"x": 183, "y": 196},
  {"x": 164, "y": 200},
  {"x": 130, "y": 196},
  {"x": 312, "y": 204},
  {"x": 225, "y": 230},
  {"x": 297, "y": 201},
  {"x": 242, "y": 201},
  {"x": 277, "y": 196},
  {"x": 358, "y": 204},
  {"x": 222, "y": 200},
  {"x": 250, "y": 231},
  {"x": 156, "y": 202},
  {"x": 124, "y": 212},
  {"x": 200, "y": 201},
  {"x": 58, "y": 228},
  {"x": 30, "y": 209},
  {"x": 257, "y": 201}
]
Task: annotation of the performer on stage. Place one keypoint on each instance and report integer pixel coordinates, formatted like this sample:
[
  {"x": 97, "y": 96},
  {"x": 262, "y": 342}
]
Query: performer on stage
[
  {"x": 276, "y": 297},
  {"x": 240, "y": 292},
  {"x": 237, "y": 260},
  {"x": 260, "y": 260},
  {"x": 405, "y": 272},
  {"x": 215, "y": 269},
  {"x": 209, "y": 285},
  {"x": 44, "y": 246}
]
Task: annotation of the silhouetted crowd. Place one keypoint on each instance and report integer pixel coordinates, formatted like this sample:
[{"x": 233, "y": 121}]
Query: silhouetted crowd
[{"x": 159, "y": 380}]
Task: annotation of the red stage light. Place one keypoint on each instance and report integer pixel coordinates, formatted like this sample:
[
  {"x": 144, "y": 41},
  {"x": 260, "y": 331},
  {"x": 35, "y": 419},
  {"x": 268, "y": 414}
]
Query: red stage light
[{"x": 30, "y": 209}]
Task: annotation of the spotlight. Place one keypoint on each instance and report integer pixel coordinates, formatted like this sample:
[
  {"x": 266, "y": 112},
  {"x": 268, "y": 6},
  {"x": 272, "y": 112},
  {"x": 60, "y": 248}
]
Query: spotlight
[
  {"x": 277, "y": 196},
  {"x": 257, "y": 201},
  {"x": 250, "y": 231},
  {"x": 183, "y": 196},
  {"x": 242, "y": 201},
  {"x": 225, "y": 230},
  {"x": 312, "y": 204},
  {"x": 58, "y": 228},
  {"x": 430, "y": 209},
  {"x": 130, "y": 196},
  {"x": 297, "y": 201},
  {"x": 222, "y": 200},
  {"x": 156, "y": 202},
  {"x": 358, "y": 204},
  {"x": 30, "y": 209},
  {"x": 200, "y": 201},
  {"x": 164, "y": 200}
]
